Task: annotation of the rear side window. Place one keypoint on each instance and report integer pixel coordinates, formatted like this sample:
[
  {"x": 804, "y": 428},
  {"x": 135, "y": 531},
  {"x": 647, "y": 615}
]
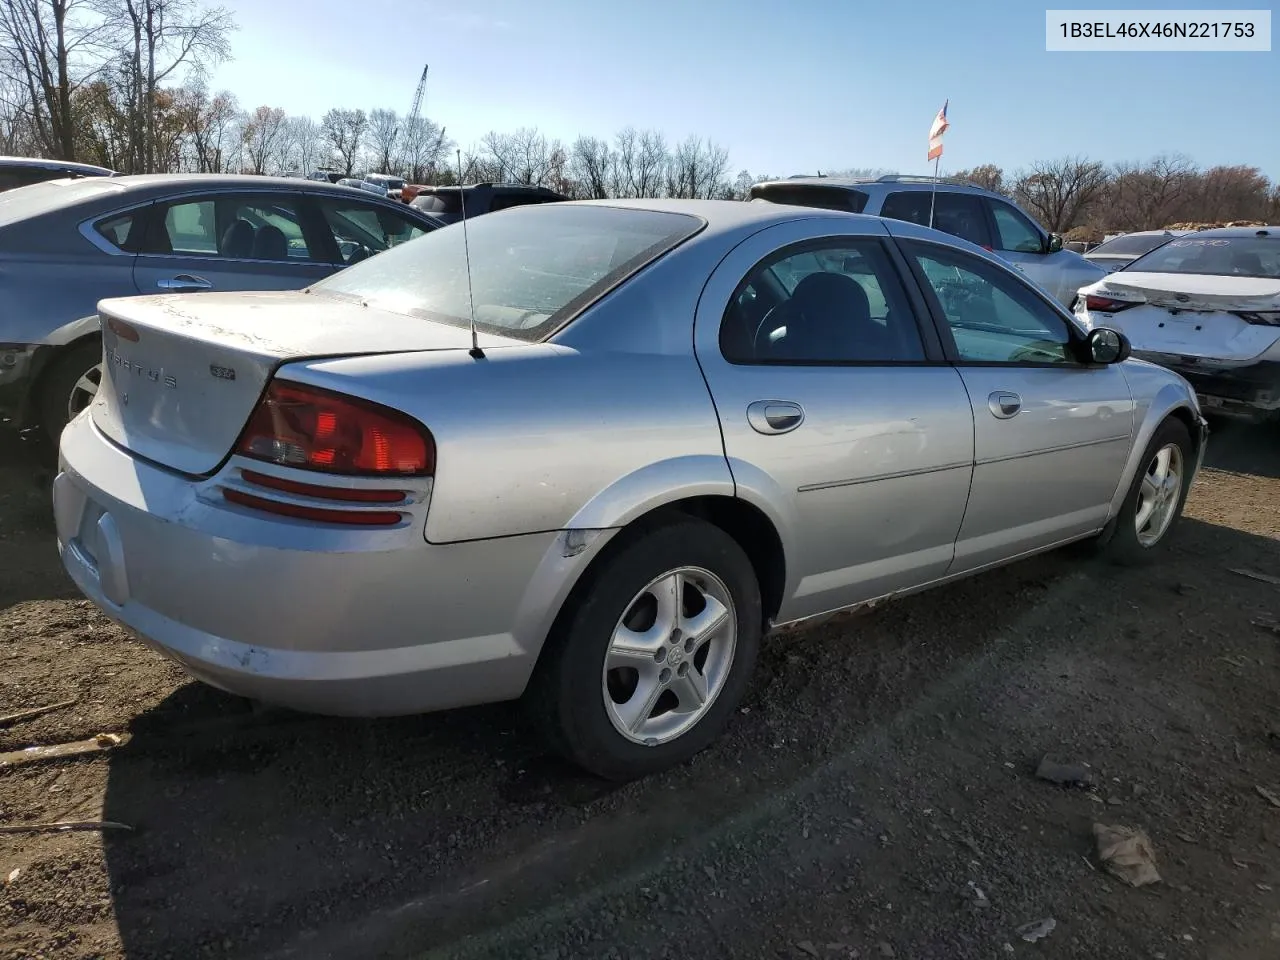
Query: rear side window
[
  {"x": 959, "y": 214},
  {"x": 531, "y": 269},
  {"x": 123, "y": 231},
  {"x": 233, "y": 226},
  {"x": 812, "y": 195}
]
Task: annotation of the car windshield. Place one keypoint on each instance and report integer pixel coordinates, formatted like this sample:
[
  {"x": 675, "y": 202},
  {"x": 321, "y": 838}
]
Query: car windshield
[
  {"x": 1247, "y": 256},
  {"x": 531, "y": 268},
  {"x": 1132, "y": 245}
]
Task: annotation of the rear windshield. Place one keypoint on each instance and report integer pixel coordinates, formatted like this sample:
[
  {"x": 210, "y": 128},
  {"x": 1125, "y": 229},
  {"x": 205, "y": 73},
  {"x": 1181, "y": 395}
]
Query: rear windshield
[
  {"x": 1134, "y": 245},
  {"x": 532, "y": 268},
  {"x": 38, "y": 198},
  {"x": 448, "y": 201},
  {"x": 1215, "y": 256}
]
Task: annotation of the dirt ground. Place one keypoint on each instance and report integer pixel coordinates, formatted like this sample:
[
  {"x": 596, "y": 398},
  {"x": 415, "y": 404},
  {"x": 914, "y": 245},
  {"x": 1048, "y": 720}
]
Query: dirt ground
[{"x": 880, "y": 773}]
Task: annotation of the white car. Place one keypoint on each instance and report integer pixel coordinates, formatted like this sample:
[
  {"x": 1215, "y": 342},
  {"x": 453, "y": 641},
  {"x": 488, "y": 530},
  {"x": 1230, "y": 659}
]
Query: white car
[{"x": 1208, "y": 307}]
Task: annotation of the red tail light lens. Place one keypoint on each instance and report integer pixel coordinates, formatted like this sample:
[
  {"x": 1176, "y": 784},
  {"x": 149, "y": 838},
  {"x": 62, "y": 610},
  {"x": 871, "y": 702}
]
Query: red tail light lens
[
  {"x": 1107, "y": 304},
  {"x": 315, "y": 429}
]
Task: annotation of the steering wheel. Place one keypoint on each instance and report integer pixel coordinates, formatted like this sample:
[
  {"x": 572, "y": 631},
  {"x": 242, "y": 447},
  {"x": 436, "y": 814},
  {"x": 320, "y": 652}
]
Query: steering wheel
[{"x": 761, "y": 345}]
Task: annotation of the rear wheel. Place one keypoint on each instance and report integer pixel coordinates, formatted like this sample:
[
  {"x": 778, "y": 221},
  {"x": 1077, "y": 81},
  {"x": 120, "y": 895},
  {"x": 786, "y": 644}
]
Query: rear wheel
[
  {"x": 69, "y": 386},
  {"x": 1156, "y": 497},
  {"x": 646, "y": 668}
]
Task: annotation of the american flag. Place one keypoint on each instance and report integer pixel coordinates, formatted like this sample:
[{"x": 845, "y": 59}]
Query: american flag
[{"x": 936, "y": 131}]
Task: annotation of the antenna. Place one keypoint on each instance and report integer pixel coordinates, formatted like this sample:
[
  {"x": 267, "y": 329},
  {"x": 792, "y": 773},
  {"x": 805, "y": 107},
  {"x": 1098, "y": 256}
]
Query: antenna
[{"x": 475, "y": 350}]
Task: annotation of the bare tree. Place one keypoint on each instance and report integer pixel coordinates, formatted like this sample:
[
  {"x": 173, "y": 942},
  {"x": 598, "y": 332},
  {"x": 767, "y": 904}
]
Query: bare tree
[
  {"x": 48, "y": 50},
  {"x": 1231, "y": 193},
  {"x": 344, "y": 131},
  {"x": 209, "y": 122},
  {"x": 986, "y": 175},
  {"x": 591, "y": 163},
  {"x": 520, "y": 157},
  {"x": 384, "y": 134},
  {"x": 425, "y": 148},
  {"x": 641, "y": 162},
  {"x": 1149, "y": 195},
  {"x": 1060, "y": 192},
  {"x": 696, "y": 170},
  {"x": 163, "y": 36},
  {"x": 261, "y": 135},
  {"x": 303, "y": 148}
]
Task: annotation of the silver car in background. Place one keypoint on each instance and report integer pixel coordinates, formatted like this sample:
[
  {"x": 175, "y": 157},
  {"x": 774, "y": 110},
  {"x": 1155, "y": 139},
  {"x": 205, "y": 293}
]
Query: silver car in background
[
  {"x": 966, "y": 210},
  {"x": 590, "y": 455},
  {"x": 66, "y": 244}
]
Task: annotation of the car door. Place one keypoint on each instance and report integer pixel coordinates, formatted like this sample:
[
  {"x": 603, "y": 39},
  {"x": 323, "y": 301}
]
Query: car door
[
  {"x": 1020, "y": 240},
  {"x": 230, "y": 240},
  {"x": 1051, "y": 433},
  {"x": 837, "y": 409}
]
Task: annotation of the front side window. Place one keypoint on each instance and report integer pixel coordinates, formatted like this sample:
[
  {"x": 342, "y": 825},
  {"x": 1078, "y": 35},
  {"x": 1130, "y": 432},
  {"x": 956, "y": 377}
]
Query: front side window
[
  {"x": 993, "y": 317},
  {"x": 531, "y": 269},
  {"x": 959, "y": 214},
  {"x": 235, "y": 227},
  {"x": 838, "y": 302},
  {"x": 360, "y": 230},
  {"x": 1014, "y": 232}
]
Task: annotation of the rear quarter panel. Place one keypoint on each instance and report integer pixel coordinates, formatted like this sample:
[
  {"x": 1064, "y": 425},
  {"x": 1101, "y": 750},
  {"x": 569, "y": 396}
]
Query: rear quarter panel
[{"x": 545, "y": 437}]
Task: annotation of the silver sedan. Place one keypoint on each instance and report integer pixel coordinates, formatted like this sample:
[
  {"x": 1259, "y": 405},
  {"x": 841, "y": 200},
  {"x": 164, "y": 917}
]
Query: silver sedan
[{"x": 589, "y": 453}]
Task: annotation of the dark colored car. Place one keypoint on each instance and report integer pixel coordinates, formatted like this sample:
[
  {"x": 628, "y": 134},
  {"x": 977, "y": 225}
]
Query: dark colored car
[
  {"x": 24, "y": 171},
  {"x": 446, "y": 202}
]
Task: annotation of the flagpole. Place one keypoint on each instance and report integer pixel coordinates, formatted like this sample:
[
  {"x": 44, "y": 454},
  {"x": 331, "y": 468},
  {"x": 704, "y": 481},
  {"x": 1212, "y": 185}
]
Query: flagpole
[{"x": 934, "y": 194}]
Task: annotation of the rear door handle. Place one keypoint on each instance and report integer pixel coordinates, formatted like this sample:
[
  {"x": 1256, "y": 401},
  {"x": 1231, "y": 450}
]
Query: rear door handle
[
  {"x": 774, "y": 416},
  {"x": 1004, "y": 405},
  {"x": 184, "y": 283}
]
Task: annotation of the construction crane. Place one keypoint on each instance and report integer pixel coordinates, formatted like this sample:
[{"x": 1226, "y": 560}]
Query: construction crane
[{"x": 415, "y": 109}]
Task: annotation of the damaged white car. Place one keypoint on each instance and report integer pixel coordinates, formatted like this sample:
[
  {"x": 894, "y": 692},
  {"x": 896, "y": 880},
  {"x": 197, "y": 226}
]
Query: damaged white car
[{"x": 1208, "y": 307}]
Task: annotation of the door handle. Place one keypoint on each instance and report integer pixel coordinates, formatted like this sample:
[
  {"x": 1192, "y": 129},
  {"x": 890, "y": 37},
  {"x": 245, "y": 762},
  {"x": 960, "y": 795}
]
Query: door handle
[
  {"x": 184, "y": 283},
  {"x": 1004, "y": 405},
  {"x": 774, "y": 416}
]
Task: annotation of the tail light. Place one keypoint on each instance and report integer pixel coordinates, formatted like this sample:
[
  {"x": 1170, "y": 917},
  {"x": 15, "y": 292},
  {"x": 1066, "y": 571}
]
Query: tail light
[
  {"x": 309, "y": 428},
  {"x": 1265, "y": 318},
  {"x": 1108, "y": 304},
  {"x": 315, "y": 429}
]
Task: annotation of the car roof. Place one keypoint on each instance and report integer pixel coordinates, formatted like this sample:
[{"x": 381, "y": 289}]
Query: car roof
[{"x": 43, "y": 163}]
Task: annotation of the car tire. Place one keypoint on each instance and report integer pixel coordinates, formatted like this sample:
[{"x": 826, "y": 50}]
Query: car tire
[
  {"x": 65, "y": 371},
  {"x": 1134, "y": 538},
  {"x": 625, "y": 656}
]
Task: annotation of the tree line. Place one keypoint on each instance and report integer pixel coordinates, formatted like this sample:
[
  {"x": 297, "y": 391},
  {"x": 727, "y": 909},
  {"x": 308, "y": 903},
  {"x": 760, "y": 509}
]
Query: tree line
[{"x": 122, "y": 84}]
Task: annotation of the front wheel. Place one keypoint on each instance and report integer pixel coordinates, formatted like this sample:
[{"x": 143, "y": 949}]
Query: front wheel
[
  {"x": 1156, "y": 497},
  {"x": 646, "y": 667}
]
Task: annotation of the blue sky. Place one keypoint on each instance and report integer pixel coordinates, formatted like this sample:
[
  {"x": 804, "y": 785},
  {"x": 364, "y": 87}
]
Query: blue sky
[{"x": 788, "y": 87}]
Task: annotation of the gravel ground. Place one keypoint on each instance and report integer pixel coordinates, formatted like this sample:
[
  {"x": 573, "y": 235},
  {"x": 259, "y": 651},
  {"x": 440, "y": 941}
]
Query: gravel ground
[{"x": 881, "y": 773}]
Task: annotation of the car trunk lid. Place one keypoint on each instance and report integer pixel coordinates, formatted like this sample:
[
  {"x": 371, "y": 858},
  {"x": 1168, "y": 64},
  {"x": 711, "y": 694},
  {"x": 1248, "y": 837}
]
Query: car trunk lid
[
  {"x": 182, "y": 374},
  {"x": 1184, "y": 315}
]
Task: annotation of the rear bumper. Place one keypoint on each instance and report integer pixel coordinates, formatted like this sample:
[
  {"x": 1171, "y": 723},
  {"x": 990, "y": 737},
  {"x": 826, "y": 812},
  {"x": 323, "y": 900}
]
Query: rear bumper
[
  {"x": 1247, "y": 391},
  {"x": 345, "y": 622}
]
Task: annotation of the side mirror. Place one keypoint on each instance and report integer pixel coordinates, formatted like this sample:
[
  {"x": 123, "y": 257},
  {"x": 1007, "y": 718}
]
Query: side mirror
[
  {"x": 1055, "y": 243},
  {"x": 1105, "y": 345}
]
